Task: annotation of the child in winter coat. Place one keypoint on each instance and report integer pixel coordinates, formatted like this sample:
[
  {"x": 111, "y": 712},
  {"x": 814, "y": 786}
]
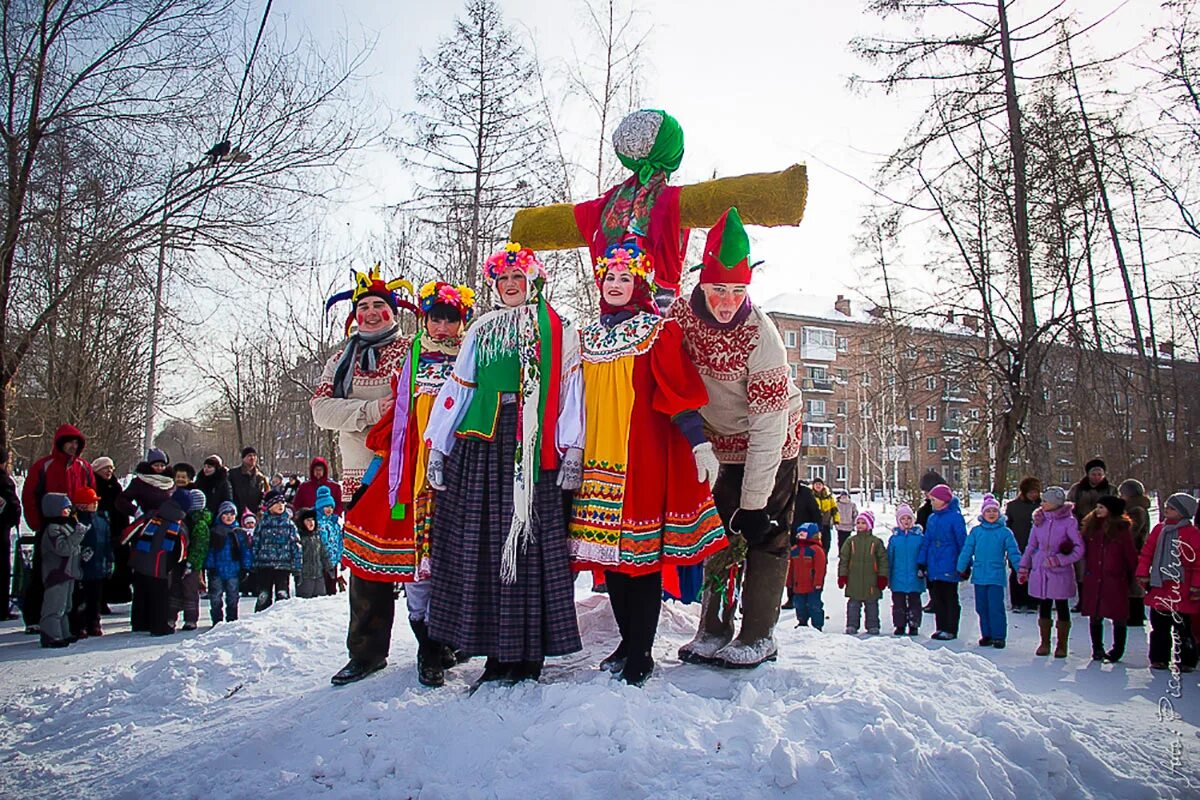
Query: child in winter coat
[
  {"x": 1110, "y": 563},
  {"x": 314, "y": 559},
  {"x": 847, "y": 512},
  {"x": 903, "y": 548},
  {"x": 276, "y": 551},
  {"x": 229, "y": 555},
  {"x": 983, "y": 561},
  {"x": 806, "y": 576},
  {"x": 937, "y": 561},
  {"x": 330, "y": 528},
  {"x": 1048, "y": 565},
  {"x": 156, "y": 549},
  {"x": 185, "y": 581},
  {"x": 1169, "y": 571},
  {"x": 60, "y": 541},
  {"x": 96, "y": 555},
  {"x": 249, "y": 525},
  {"x": 862, "y": 572}
]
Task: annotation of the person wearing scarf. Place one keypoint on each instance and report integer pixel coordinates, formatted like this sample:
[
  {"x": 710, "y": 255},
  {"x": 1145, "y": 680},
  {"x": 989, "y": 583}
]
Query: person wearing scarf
[
  {"x": 505, "y": 439},
  {"x": 649, "y": 142},
  {"x": 645, "y": 506},
  {"x": 752, "y": 419},
  {"x": 1169, "y": 571},
  {"x": 386, "y": 533},
  {"x": 356, "y": 391}
]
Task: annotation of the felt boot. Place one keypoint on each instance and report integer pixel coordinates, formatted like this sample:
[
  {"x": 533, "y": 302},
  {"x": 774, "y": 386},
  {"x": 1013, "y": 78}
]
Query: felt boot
[
  {"x": 1044, "y": 626},
  {"x": 1064, "y": 633}
]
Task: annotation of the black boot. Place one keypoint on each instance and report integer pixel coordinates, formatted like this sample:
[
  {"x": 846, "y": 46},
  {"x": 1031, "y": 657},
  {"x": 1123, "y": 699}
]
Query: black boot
[
  {"x": 1118, "y": 648},
  {"x": 615, "y": 662},
  {"x": 637, "y": 668},
  {"x": 356, "y": 671},
  {"x": 429, "y": 656},
  {"x": 1096, "y": 628},
  {"x": 526, "y": 671},
  {"x": 495, "y": 670},
  {"x": 452, "y": 657}
]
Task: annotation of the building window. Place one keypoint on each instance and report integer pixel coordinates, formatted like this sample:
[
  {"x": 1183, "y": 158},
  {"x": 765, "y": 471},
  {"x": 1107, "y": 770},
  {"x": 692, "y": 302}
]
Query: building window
[
  {"x": 864, "y": 410},
  {"x": 840, "y": 440},
  {"x": 816, "y": 471},
  {"x": 1064, "y": 422},
  {"x": 816, "y": 408},
  {"x": 815, "y": 437},
  {"x": 843, "y": 344},
  {"x": 866, "y": 379},
  {"x": 841, "y": 408},
  {"x": 793, "y": 371},
  {"x": 841, "y": 474},
  {"x": 819, "y": 343},
  {"x": 974, "y": 413},
  {"x": 931, "y": 383},
  {"x": 910, "y": 354},
  {"x": 843, "y": 375},
  {"x": 790, "y": 338},
  {"x": 930, "y": 444},
  {"x": 931, "y": 413},
  {"x": 912, "y": 413}
]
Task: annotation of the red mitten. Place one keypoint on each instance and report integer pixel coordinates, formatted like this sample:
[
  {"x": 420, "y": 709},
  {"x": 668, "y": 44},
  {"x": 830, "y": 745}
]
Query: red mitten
[
  {"x": 881, "y": 582},
  {"x": 842, "y": 582}
]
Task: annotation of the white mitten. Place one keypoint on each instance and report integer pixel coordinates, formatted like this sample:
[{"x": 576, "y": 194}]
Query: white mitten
[
  {"x": 707, "y": 465},
  {"x": 436, "y": 471},
  {"x": 570, "y": 472}
]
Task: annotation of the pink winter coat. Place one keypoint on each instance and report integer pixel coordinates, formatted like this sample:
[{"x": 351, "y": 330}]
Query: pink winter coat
[
  {"x": 1051, "y": 571},
  {"x": 1172, "y": 595}
]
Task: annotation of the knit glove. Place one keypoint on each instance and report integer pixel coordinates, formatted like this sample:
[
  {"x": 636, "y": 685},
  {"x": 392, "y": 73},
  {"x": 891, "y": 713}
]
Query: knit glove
[
  {"x": 435, "y": 472},
  {"x": 965, "y": 574},
  {"x": 841, "y": 581},
  {"x": 87, "y": 553},
  {"x": 756, "y": 526},
  {"x": 570, "y": 471},
  {"x": 706, "y": 463},
  {"x": 881, "y": 582}
]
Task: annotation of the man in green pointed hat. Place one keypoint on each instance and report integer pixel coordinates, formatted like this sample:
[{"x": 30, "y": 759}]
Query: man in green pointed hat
[{"x": 753, "y": 421}]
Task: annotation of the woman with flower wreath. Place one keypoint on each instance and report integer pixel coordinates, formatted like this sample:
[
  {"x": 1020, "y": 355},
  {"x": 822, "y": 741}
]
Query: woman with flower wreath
[
  {"x": 646, "y": 503},
  {"x": 505, "y": 440}
]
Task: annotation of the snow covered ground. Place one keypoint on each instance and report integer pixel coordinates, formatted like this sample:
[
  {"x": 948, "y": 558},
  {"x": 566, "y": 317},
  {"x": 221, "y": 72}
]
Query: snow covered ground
[{"x": 246, "y": 711}]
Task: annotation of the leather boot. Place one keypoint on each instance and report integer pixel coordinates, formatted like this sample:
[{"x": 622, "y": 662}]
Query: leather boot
[
  {"x": 1118, "y": 649},
  {"x": 763, "y": 582},
  {"x": 1096, "y": 629},
  {"x": 1064, "y": 633},
  {"x": 429, "y": 656},
  {"x": 1044, "y": 626}
]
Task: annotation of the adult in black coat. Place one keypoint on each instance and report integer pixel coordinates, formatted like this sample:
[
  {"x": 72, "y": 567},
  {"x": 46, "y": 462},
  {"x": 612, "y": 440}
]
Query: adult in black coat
[
  {"x": 929, "y": 480},
  {"x": 248, "y": 483},
  {"x": 804, "y": 509},
  {"x": 213, "y": 481},
  {"x": 1019, "y": 513},
  {"x": 119, "y": 587},
  {"x": 150, "y": 487},
  {"x": 10, "y": 517}
]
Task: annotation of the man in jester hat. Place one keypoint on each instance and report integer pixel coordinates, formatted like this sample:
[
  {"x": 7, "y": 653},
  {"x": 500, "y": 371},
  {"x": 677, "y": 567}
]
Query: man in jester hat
[
  {"x": 645, "y": 506},
  {"x": 752, "y": 419},
  {"x": 355, "y": 392},
  {"x": 650, "y": 143},
  {"x": 505, "y": 439}
]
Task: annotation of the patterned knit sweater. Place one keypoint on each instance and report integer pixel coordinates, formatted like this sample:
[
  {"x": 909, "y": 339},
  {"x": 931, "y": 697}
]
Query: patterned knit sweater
[
  {"x": 753, "y": 411},
  {"x": 353, "y": 416}
]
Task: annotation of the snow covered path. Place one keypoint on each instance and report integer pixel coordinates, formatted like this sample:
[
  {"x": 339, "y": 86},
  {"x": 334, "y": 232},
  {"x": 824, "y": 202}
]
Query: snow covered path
[{"x": 246, "y": 711}]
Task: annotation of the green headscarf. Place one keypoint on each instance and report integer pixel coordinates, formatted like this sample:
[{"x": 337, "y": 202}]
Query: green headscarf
[{"x": 666, "y": 153}]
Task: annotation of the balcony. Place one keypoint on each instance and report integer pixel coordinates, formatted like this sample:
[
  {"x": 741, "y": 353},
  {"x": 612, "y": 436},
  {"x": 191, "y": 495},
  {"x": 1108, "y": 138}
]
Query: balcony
[
  {"x": 822, "y": 420},
  {"x": 816, "y": 451},
  {"x": 954, "y": 397},
  {"x": 951, "y": 426},
  {"x": 816, "y": 385}
]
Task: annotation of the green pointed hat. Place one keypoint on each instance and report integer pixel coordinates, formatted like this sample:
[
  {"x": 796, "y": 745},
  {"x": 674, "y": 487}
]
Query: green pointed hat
[{"x": 727, "y": 251}]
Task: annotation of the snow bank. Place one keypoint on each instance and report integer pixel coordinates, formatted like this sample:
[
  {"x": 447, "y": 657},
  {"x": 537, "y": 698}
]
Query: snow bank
[{"x": 246, "y": 711}]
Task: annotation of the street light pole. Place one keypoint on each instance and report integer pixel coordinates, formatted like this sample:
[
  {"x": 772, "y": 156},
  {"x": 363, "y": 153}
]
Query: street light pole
[{"x": 236, "y": 156}]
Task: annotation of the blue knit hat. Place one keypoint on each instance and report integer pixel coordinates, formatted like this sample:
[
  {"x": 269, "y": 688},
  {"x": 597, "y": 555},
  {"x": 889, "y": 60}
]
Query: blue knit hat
[
  {"x": 54, "y": 503},
  {"x": 324, "y": 498},
  {"x": 189, "y": 499},
  {"x": 226, "y": 507}
]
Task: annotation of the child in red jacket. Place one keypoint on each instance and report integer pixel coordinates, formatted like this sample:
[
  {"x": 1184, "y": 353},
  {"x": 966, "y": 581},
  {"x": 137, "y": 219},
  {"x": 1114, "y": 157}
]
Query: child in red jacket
[
  {"x": 1169, "y": 571},
  {"x": 806, "y": 576}
]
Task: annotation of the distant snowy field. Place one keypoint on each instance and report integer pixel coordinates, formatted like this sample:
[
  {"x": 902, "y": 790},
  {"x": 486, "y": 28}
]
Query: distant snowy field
[{"x": 246, "y": 711}]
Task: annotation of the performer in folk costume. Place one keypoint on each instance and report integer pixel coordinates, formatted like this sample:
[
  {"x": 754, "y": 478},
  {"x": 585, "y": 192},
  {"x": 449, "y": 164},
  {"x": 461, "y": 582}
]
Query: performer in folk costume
[
  {"x": 387, "y": 526},
  {"x": 355, "y": 392},
  {"x": 650, "y": 143},
  {"x": 505, "y": 439},
  {"x": 752, "y": 419},
  {"x": 646, "y": 499}
]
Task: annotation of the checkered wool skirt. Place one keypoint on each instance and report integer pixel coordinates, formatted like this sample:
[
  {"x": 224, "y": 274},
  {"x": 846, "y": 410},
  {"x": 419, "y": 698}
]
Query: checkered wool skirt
[{"x": 471, "y": 609}]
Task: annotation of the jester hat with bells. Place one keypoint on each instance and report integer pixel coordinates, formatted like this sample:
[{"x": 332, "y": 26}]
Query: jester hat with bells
[
  {"x": 628, "y": 256},
  {"x": 372, "y": 284}
]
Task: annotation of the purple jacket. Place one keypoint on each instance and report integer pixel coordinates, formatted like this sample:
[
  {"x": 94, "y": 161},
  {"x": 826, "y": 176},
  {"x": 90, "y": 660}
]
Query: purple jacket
[{"x": 1051, "y": 531}]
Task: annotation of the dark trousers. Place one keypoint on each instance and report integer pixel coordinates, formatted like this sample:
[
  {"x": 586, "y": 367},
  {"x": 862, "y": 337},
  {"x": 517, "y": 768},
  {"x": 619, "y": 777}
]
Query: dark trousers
[
  {"x": 826, "y": 537},
  {"x": 118, "y": 588},
  {"x": 842, "y": 537},
  {"x": 1061, "y": 607},
  {"x": 1120, "y": 631},
  {"x": 810, "y": 608},
  {"x": 372, "y": 612},
  {"x": 151, "y": 605},
  {"x": 1019, "y": 593},
  {"x": 636, "y": 602},
  {"x": 1164, "y": 627},
  {"x": 946, "y": 608},
  {"x": 31, "y": 601},
  {"x": 906, "y": 609},
  {"x": 6, "y": 574},
  {"x": 185, "y": 596},
  {"x": 89, "y": 600},
  {"x": 272, "y": 584}
]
